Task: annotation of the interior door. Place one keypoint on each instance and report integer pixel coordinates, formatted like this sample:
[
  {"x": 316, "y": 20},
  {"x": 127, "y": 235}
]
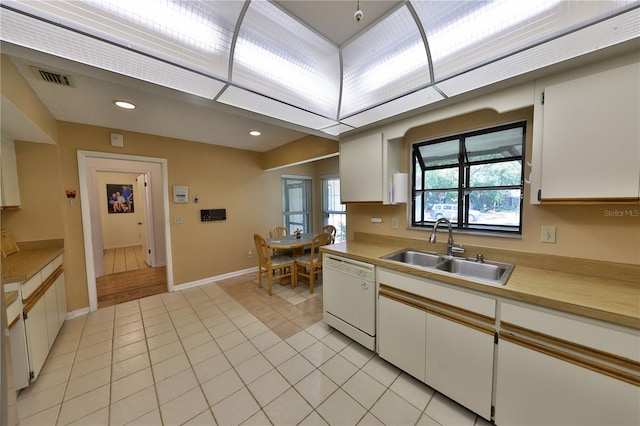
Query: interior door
[{"x": 145, "y": 222}]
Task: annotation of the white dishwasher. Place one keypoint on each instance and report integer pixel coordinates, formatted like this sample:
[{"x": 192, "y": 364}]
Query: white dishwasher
[{"x": 349, "y": 297}]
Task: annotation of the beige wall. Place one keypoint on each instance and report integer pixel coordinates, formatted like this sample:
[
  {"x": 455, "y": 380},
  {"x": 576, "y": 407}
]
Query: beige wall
[
  {"x": 221, "y": 177},
  {"x": 583, "y": 231}
]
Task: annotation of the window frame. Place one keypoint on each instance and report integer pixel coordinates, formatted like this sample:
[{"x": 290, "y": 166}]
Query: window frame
[
  {"x": 341, "y": 227},
  {"x": 463, "y": 189},
  {"x": 307, "y": 212}
]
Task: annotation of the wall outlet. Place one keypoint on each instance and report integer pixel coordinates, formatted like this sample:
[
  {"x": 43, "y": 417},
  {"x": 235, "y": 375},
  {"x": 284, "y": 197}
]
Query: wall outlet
[
  {"x": 394, "y": 223},
  {"x": 178, "y": 219},
  {"x": 249, "y": 253},
  {"x": 548, "y": 234}
]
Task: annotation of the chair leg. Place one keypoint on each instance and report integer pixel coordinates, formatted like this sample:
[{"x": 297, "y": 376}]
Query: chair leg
[
  {"x": 259, "y": 277},
  {"x": 312, "y": 273},
  {"x": 270, "y": 282}
]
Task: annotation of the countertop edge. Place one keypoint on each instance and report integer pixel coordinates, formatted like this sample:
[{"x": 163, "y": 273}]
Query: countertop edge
[
  {"x": 521, "y": 286},
  {"x": 25, "y": 264}
]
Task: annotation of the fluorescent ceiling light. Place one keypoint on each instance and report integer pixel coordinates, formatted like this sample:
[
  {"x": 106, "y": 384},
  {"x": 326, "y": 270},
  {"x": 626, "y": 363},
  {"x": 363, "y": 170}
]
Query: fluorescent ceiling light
[{"x": 124, "y": 104}]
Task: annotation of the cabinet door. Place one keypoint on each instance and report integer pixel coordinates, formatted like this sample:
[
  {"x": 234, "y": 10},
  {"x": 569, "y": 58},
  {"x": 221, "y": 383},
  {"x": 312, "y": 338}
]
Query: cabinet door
[
  {"x": 51, "y": 304},
  {"x": 361, "y": 169},
  {"x": 590, "y": 136},
  {"x": 535, "y": 388},
  {"x": 19, "y": 355},
  {"x": 10, "y": 194},
  {"x": 37, "y": 336},
  {"x": 402, "y": 336},
  {"x": 61, "y": 295},
  {"x": 459, "y": 363}
]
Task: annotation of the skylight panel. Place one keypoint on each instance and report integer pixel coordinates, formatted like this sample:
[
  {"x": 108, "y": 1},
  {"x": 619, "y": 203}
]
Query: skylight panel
[
  {"x": 279, "y": 57},
  {"x": 466, "y": 34},
  {"x": 384, "y": 63},
  {"x": 193, "y": 34}
]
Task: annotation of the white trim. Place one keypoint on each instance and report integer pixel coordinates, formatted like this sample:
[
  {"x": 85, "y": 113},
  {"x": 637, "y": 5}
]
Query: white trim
[
  {"x": 77, "y": 313},
  {"x": 86, "y": 216},
  {"x": 283, "y": 176},
  {"x": 211, "y": 280}
]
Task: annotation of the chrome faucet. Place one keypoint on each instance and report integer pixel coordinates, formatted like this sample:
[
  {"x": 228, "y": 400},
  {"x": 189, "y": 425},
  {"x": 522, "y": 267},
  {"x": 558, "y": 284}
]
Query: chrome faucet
[{"x": 450, "y": 247}]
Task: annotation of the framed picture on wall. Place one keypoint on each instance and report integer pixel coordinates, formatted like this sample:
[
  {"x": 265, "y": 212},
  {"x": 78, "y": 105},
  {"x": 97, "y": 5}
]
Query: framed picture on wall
[{"x": 119, "y": 198}]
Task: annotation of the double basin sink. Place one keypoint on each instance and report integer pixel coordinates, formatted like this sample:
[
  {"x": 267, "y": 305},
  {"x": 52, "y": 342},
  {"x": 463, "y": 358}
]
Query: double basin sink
[{"x": 482, "y": 271}]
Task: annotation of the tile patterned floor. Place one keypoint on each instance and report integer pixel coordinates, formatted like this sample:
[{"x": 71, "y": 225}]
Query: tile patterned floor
[{"x": 224, "y": 353}]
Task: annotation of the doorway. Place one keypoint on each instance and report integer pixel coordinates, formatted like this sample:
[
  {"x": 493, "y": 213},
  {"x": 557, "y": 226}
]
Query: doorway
[{"x": 151, "y": 216}]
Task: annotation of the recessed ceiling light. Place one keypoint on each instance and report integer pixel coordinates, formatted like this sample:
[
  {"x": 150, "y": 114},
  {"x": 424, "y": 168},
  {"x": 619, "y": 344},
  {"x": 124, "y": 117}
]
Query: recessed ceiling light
[
  {"x": 124, "y": 104},
  {"x": 255, "y": 133}
]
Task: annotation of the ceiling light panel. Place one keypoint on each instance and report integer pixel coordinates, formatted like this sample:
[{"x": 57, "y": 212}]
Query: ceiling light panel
[
  {"x": 465, "y": 34},
  {"x": 254, "y": 102},
  {"x": 278, "y": 56},
  {"x": 383, "y": 63},
  {"x": 24, "y": 31},
  {"x": 618, "y": 29},
  {"x": 193, "y": 34}
]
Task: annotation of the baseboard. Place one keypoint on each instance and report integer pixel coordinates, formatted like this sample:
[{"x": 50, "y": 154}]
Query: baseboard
[
  {"x": 214, "y": 279},
  {"x": 76, "y": 313}
]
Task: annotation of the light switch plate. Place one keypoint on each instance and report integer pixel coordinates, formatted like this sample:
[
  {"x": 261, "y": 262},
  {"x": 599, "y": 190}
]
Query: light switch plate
[{"x": 548, "y": 234}]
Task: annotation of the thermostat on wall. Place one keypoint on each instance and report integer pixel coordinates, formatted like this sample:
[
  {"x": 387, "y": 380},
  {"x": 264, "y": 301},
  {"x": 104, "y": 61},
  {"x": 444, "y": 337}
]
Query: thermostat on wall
[{"x": 180, "y": 194}]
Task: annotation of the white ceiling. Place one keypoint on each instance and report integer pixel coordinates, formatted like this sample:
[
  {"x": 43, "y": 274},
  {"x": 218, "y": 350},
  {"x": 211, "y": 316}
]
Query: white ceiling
[
  {"x": 166, "y": 112},
  {"x": 172, "y": 113}
]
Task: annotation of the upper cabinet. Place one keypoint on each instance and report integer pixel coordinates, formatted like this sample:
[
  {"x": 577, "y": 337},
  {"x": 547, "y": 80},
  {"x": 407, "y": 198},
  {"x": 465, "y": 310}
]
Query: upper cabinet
[
  {"x": 9, "y": 175},
  {"x": 591, "y": 138},
  {"x": 367, "y": 165}
]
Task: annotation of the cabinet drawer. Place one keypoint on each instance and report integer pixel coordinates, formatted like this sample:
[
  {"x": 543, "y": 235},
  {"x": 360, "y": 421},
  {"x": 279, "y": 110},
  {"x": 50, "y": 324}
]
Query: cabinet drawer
[
  {"x": 57, "y": 262},
  {"x": 47, "y": 271},
  {"x": 439, "y": 292},
  {"x": 28, "y": 287},
  {"x": 601, "y": 336}
]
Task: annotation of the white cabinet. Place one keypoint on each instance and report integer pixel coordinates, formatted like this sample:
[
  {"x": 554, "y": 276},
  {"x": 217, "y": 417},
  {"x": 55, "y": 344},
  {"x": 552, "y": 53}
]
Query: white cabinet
[
  {"x": 460, "y": 362},
  {"x": 37, "y": 335},
  {"x": 51, "y": 304},
  {"x": 367, "y": 165},
  {"x": 61, "y": 296},
  {"x": 591, "y": 137},
  {"x": 402, "y": 335},
  {"x": 555, "y": 368},
  {"x": 10, "y": 192},
  {"x": 440, "y": 335}
]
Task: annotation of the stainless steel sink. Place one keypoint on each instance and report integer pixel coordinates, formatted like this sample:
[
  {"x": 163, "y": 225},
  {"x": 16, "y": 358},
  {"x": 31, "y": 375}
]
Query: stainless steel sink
[
  {"x": 416, "y": 257},
  {"x": 484, "y": 271}
]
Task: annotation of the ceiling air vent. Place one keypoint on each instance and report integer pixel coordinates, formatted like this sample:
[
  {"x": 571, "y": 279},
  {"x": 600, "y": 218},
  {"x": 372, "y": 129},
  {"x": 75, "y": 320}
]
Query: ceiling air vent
[{"x": 53, "y": 77}]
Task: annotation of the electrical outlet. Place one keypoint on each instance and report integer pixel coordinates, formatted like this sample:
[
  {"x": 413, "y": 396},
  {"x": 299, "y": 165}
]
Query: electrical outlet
[
  {"x": 249, "y": 253},
  {"x": 178, "y": 219},
  {"x": 548, "y": 234},
  {"x": 394, "y": 223}
]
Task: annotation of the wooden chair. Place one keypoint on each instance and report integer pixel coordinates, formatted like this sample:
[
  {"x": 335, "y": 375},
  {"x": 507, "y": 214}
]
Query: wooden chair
[
  {"x": 280, "y": 231},
  {"x": 310, "y": 264},
  {"x": 268, "y": 264},
  {"x": 330, "y": 229}
]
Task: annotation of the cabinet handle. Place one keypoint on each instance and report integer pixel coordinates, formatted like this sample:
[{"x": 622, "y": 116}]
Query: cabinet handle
[{"x": 364, "y": 285}]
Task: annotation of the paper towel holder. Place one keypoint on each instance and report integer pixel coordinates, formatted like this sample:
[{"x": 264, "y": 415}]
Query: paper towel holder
[{"x": 398, "y": 189}]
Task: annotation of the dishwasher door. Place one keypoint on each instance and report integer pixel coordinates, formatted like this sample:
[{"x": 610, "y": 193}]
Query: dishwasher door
[{"x": 349, "y": 297}]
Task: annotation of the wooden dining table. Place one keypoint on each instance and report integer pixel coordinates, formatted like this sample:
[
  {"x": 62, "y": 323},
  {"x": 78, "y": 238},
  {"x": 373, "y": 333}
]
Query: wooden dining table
[{"x": 290, "y": 242}]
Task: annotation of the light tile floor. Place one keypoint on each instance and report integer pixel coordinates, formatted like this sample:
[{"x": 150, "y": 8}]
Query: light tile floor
[{"x": 224, "y": 353}]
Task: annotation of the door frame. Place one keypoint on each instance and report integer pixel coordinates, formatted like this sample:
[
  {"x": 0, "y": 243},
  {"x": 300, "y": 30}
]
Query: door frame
[{"x": 87, "y": 225}]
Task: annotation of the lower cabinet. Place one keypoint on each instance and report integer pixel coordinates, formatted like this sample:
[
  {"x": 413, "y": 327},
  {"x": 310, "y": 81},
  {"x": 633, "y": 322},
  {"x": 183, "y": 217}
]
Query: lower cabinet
[
  {"x": 440, "y": 335},
  {"x": 402, "y": 336},
  {"x": 37, "y": 335},
  {"x": 460, "y": 363},
  {"x": 535, "y": 388},
  {"x": 44, "y": 310}
]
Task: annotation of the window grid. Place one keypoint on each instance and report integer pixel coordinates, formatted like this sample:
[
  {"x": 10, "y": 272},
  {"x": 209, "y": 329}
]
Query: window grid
[
  {"x": 296, "y": 203},
  {"x": 333, "y": 212},
  {"x": 483, "y": 187}
]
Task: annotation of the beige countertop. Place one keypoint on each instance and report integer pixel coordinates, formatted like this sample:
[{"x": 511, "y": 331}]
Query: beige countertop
[
  {"x": 611, "y": 300},
  {"x": 24, "y": 264}
]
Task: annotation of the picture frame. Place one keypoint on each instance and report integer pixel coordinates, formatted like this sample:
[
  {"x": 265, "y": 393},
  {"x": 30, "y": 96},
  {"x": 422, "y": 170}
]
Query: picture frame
[{"x": 120, "y": 198}]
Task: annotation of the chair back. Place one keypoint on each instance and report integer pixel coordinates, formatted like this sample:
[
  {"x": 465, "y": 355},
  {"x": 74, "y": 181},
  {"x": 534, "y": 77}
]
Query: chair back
[
  {"x": 262, "y": 249},
  {"x": 330, "y": 229},
  {"x": 278, "y": 231},
  {"x": 319, "y": 240}
]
